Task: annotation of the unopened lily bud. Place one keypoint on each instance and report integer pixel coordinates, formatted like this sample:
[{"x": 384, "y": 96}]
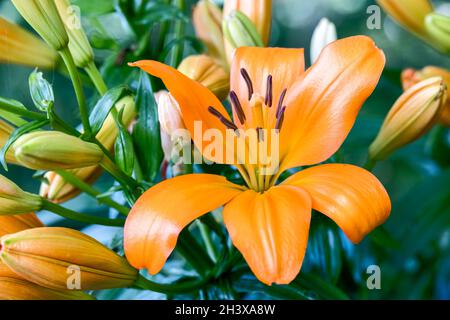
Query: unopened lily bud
[
  {"x": 18, "y": 46},
  {"x": 47, "y": 150},
  {"x": 324, "y": 34},
  {"x": 18, "y": 289},
  {"x": 41, "y": 91},
  {"x": 43, "y": 16},
  {"x": 14, "y": 200},
  {"x": 410, "y": 77},
  {"x": 239, "y": 31},
  {"x": 57, "y": 189},
  {"x": 414, "y": 113},
  {"x": 5, "y": 132},
  {"x": 14, "y": 224},
  {"x": 79, "y": 45},
  {"x": 207, "y": 20},
  {"x": 61, "y": 258},
  {"x": 208, "y": 72},
  {"x": 258, "y": 11},
  {"x": 410, "y": 14},
  {"x": 438, "y": 27}
]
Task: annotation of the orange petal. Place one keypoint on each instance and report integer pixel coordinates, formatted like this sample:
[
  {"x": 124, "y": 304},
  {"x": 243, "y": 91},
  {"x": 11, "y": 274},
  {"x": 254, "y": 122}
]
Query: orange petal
[
  {"x": 322, "y": 106},
  {"x": 271, "y": 231},
  {"x": 349, "y": 195},
  {"x": 194, "y": 100},
  {"x": 285, "y": 66},
  {"x": 160, "y": 214}
]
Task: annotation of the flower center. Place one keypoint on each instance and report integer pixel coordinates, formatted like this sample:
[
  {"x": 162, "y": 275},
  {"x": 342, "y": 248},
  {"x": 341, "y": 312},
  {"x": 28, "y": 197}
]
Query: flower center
[{"x": 261, "y": 122}]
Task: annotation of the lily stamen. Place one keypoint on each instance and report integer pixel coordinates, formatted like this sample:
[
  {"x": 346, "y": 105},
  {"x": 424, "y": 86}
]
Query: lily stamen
[
  {"x": 225, "y": 121},
  {"x": 269, "y": 92},
  {"x": 280, "y": 119},
  {"x": 249, "y": 83},
  {"x": 280, "y": 102},
  {"x": 237, "y": 107}
]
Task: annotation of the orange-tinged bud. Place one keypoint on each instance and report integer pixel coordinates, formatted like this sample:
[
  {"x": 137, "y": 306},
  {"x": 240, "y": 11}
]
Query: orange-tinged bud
[
  {"x": 5, "y": 132},
  {"x": 207, "y": 20},
  {"x": 259, "y": 12},
  {"x": 60, "y": 258},
  {"x": 57, "y": 189},
  {"x": 208, "y": 72},
  {"x": 14, "y": 224},
  {"x": 410, "y": 77},
  {"x": 14, "y": 200},
  {"x": 18, "y": 289},
  {"x": 414, "y": 113},
  {"x": 18, "y": 46},
  {"x": 410, "y": 14}
]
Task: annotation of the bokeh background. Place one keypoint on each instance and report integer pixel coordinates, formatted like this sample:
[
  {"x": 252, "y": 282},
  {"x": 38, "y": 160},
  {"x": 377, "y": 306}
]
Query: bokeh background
[{"x": 414, "y": 251}]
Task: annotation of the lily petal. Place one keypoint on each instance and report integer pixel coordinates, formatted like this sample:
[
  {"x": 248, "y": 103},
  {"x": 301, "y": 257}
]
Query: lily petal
[
  {"x": 351, "y": 196},
  {"x": 194, "y": 100},
  {"x": 160, "y": 214},
  {"x": 284, "y": 65},
  {"x": 271, "y": 231},
  {"x": 323, "y": 104}
]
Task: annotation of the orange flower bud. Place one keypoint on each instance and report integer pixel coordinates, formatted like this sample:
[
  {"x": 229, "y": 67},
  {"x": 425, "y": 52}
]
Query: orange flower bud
[
  {"x": 18, "y": 46},
  {"x": 5, "y": 132},
  {"x": 14, "y": 200},
  {"x": 207, "y": 19},
  {"x": 208, "y": 72},
  {"x": 60, "y": 258},
  {"x": 19, "y": 289},
  {"x": 414, "y": 113},
  {"x": 410, "y": 77},
  {"x": 13, "y": 224}
]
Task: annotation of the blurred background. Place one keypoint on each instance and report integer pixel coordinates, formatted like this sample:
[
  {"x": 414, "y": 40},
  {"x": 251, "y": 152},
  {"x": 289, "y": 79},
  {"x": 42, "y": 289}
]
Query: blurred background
[{"x": 414, "y": 254}]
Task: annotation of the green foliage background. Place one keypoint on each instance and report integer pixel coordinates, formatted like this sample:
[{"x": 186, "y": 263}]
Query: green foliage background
[{"x": 413, "y": 249}]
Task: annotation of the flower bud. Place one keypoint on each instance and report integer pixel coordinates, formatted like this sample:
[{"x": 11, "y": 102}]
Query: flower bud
[
  {"x": 410, "y": 77},
  {"x": 208, "y": 72},
  {"x": 207, "y": 20},
  {"x": 414, "y": 113},
  {"x": 57, "y": 189},
  {"x": 5, "y": 132},
  {"x": 18, "y": 289},
  {"x": 41, "y": 91},
  {"x": 438, "y": 27},
  {"x": 410, "y": 14},
  {"x": 79, "y": 45},
  {"x": 14, "y": 200},
  {"x": 18, "y": 46},
  {"x": 324, "y": 34},
  {"x": 258, "y": 11},
  {"x": 13, "y": 224},
  {"x": 239, "y": 31},
  {"x": 47, "y": 150},
  {"x": 61, "y": 258},
  {"x": 43, "y": 16}
]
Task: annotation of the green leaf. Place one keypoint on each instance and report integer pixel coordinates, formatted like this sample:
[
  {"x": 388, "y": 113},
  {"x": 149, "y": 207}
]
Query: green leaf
[
  {"x": 32, "y": 126},
  {"x": 319, "y": 286},
  {"x": 124, "y": 150},
  {"x": 9, "y": 116},
  {"x": 146, "y": 134},
  {"x": 41, "y": 91},
  {"x": 104, "y": 106}
]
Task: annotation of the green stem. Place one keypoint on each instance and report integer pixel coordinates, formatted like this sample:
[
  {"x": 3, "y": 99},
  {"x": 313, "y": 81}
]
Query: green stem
[
  {"x": 177, "y": 54},
  {"x": 88, "y": 189},
  {"x": 78, "y": 87},
  {"x": 144, "y": 283},
  {"x": 70, "y": 214},
  {"x": 9, "y": 107},
  {"x": 118, "y": 174},
  {"x": 96, "y": 77}
]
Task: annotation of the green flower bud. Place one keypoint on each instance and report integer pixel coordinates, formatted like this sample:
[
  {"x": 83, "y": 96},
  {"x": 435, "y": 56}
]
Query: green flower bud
[
  {"x": 240, "y": 31},
  {"x": 49, "y": 150},
  {"x": 43, "y": 16},
  {"x": 41, "y": 91},
  {"x": 438, "y": 27},
  {"x": 14, "y": 200},
  {"x": 79, "y": 45}
]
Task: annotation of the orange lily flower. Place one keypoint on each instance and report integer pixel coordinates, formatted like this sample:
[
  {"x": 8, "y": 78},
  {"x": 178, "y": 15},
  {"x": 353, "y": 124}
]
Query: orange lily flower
[{"x": 312, "y": 113}]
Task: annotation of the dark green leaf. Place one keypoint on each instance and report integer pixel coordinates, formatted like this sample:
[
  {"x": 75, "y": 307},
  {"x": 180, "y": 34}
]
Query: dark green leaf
[
  {"x": 104, "y": 106},
  {"x": 146, "y": 134},
  {"x": 124, "y": 150},
  {"x": 32, "y": 126}
]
